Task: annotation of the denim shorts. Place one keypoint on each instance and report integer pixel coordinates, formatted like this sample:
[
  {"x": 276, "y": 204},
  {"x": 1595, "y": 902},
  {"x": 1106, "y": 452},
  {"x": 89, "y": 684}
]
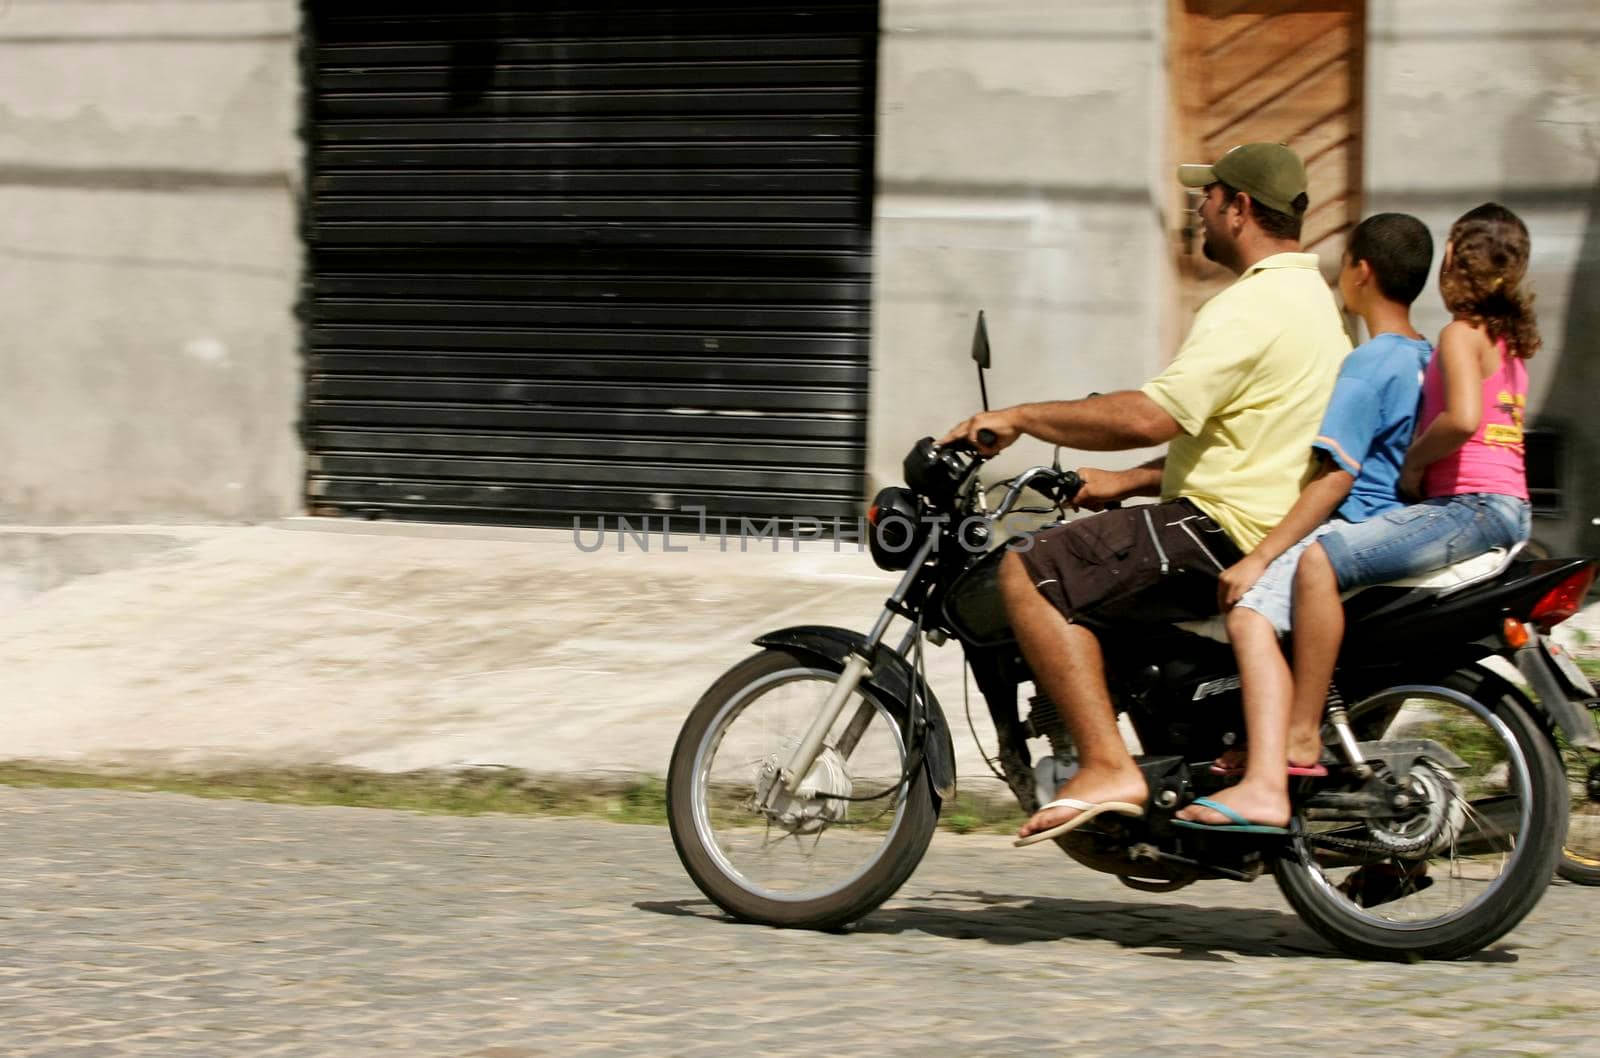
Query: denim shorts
[
  {"x": 1425, "y": 536},
  {"x": 1273, "y": 595}
]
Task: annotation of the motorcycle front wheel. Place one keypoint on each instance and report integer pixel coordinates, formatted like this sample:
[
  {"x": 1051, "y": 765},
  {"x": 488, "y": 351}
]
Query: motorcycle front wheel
[
  {"x": 1473, "y": 852},
  {"x": 821, "y": 856}
]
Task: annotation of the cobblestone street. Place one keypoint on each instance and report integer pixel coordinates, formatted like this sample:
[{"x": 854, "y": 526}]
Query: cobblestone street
[{"x": 151, "y": 924}]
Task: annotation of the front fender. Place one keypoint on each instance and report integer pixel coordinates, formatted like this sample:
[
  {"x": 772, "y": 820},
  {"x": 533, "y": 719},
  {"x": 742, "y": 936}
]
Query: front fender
[{"x": 891, "y": 677}]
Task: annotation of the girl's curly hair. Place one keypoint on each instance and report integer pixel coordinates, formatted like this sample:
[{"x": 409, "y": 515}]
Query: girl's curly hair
[{"x": 1489, "y": 249}]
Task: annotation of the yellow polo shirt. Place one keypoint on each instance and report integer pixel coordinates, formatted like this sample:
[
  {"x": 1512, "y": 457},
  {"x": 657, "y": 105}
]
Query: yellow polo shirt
[{"x": 1248, "y": 389}]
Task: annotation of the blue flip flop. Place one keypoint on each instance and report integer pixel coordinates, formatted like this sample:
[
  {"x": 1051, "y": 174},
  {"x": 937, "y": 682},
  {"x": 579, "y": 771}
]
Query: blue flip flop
[{"x": 1239, "y": 824}]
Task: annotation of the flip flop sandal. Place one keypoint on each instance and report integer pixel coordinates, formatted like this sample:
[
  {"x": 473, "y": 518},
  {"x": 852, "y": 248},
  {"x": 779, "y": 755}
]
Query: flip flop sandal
[
  {"x": 1237, "y": 824},
  {"x": 1087, "y": 810}
]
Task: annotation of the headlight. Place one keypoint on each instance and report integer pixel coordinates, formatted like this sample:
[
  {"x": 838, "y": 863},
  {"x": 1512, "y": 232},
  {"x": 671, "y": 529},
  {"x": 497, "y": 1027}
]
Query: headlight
[{"x": 894, "y": 527}]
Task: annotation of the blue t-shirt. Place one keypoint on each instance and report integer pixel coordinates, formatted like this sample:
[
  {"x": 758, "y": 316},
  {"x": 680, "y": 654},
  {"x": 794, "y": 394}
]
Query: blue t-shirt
[{"x": 1370, "y": 418}]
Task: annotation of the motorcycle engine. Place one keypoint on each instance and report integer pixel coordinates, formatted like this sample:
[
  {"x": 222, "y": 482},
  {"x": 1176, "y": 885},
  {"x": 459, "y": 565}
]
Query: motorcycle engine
[{"x": 1052, "y": 771}]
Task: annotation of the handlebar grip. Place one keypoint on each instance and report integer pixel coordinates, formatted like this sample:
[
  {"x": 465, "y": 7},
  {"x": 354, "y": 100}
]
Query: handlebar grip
[
  {"x": 1069, "y": 485},
  {"x": 987, "y": 438}
]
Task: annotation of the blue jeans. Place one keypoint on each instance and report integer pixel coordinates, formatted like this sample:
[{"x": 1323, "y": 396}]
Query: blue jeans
[{"x": 1425, "y": 536}]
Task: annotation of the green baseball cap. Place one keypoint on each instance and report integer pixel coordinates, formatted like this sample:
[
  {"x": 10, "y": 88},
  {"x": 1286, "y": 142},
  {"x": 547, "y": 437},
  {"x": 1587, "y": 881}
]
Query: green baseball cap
[{"x": 1270, "y": 173}]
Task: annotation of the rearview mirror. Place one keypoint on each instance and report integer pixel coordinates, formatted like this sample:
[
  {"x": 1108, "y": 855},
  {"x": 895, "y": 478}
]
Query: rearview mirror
[{"x": 980, "y": 342}]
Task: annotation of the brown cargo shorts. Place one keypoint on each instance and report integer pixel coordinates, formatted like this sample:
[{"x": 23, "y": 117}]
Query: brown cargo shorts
[{"x": 1150, "y": 562}]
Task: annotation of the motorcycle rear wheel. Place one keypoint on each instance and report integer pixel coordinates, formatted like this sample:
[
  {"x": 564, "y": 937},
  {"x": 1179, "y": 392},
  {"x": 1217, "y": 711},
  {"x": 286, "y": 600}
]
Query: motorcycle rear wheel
[
  {"x": 808, "y": 868},
  {"x": 1475, "y": 861}
]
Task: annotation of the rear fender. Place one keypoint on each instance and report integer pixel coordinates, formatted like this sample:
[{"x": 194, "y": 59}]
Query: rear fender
[
  {"x": 1390, "y": 623},
  {"x": 891, "y": 677}
]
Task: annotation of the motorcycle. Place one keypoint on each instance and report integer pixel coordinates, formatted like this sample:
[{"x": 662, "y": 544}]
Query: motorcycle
[{"x": 806, "y": 783}]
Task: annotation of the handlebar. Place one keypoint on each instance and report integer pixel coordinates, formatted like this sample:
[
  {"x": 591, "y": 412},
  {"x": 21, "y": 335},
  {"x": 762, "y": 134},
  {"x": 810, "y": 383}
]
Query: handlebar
[
  {"x": 987, "y": 438},
  {"x": 1062, "y": 486}
]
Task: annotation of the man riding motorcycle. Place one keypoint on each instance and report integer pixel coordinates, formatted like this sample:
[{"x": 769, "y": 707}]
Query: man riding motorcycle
[{"x": 1240, "y": 405}]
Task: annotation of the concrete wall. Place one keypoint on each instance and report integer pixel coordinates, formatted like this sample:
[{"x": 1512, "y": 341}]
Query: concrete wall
[
  {"x": 148, "y": 165},
  {"x": 1020, "y": 147},
  {"x": 1472, "y": 100}
]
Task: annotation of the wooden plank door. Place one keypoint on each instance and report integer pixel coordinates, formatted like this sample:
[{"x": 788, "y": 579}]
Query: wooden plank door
[{"x": 1287, "y": 71}]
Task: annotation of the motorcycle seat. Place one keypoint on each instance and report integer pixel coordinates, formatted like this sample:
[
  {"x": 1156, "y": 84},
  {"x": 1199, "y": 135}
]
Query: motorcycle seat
[
  {"x": 1445, "y": 580},
  {"x": 1449, "y": 579}
]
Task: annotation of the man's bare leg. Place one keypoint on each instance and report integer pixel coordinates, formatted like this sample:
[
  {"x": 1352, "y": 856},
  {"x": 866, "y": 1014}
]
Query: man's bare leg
[
  {"x": 1262, "y": 796},
  {"x": 1318, "y": 634},
  {"x": 1068, "y": 665}
]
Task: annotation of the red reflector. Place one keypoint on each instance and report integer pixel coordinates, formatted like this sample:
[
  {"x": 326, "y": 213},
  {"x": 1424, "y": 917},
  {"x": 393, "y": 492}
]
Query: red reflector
[
  {"x": 1562, "y": 601},
  {"x": 872, "y": 515}
]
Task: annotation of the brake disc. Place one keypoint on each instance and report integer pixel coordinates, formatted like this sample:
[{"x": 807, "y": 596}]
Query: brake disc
[{"x": 816, "y": 802}]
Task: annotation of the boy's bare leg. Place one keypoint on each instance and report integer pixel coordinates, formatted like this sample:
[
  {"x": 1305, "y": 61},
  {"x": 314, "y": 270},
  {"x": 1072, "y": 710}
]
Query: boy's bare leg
[
  {"x": 1318, "y": 633},
  {"x": 1068, "y": 665},
  {"x": 1262, "y": 796}
]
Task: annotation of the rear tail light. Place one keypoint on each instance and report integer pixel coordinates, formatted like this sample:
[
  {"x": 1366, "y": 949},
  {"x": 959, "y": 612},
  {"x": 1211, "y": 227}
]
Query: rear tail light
[{"x": 1562, "y": 601}]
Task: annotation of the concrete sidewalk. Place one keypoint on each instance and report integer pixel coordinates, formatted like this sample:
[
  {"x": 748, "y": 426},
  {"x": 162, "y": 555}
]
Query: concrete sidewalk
[
  {"x": 399, "y": 646},
  {"x": 393, "y": 646}
]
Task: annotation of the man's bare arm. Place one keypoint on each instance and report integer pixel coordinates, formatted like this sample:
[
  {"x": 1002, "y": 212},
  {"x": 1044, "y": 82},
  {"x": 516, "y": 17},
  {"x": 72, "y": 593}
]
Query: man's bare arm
[
  {"x": 1108, "y": 423},
  {"x": 1101, "y": 487}
]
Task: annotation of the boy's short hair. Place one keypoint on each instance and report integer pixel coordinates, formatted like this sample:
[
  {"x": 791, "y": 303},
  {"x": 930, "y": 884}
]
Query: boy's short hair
[{"x": 1399, "y": 250}]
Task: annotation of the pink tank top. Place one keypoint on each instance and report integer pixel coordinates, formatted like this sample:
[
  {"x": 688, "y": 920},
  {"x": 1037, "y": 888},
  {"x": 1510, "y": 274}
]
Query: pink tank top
[{"x": 1491, "y": 461}]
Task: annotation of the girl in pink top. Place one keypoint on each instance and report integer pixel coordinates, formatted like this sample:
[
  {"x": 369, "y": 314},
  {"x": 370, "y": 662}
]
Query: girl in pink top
[{"x": 1475, "y": 392}]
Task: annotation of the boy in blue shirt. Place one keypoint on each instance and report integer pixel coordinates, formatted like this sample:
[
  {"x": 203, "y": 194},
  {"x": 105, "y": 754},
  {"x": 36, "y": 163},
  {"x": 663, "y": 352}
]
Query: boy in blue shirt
[{"x": 1362, "y": 444}]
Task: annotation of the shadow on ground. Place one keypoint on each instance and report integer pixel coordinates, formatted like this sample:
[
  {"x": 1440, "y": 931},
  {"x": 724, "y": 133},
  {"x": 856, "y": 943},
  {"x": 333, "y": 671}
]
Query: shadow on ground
[{"x": 1178, "y": 931}]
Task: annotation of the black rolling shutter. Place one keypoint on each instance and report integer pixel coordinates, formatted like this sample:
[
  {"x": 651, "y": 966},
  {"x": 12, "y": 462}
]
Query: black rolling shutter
[{"x": 572, "y": 260}]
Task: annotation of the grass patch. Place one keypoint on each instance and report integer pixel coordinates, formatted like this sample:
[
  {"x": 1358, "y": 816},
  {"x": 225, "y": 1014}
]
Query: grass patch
[
  {"x": 467, "y": 792},
  {"x": 969, "y": 813},
  {"x": 1590, "y": 667},
  {"x": 477, "y": 791}
]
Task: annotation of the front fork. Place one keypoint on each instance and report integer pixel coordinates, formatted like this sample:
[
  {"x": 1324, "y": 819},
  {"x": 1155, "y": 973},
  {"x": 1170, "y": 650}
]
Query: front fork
[{"x": 856, "y": 668}]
